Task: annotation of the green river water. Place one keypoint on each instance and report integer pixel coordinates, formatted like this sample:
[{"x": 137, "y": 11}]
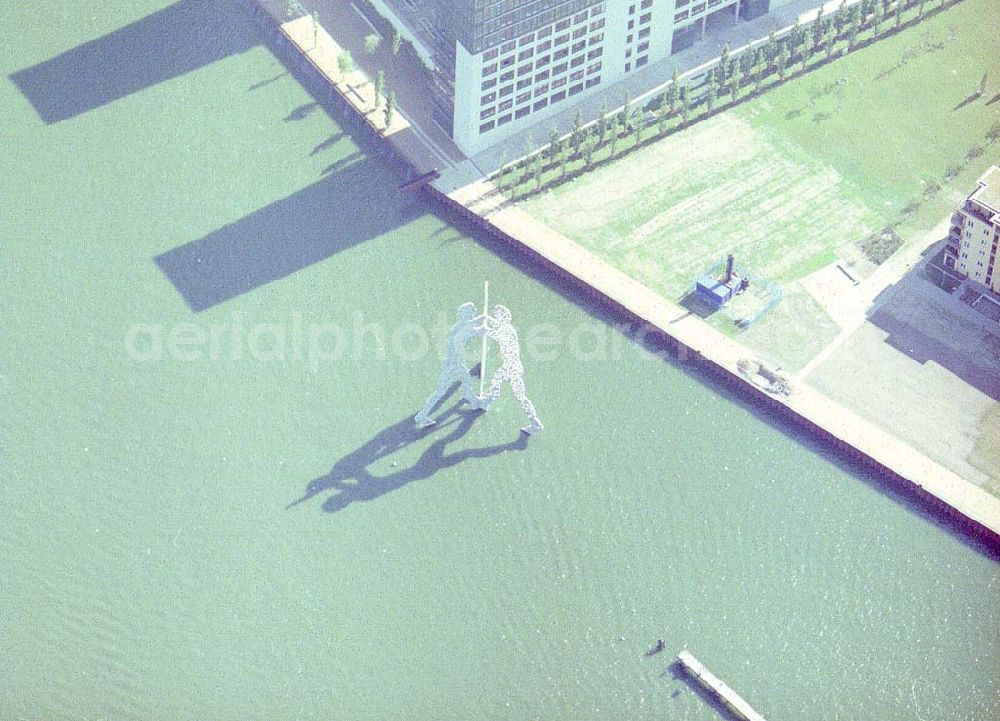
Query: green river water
[{"x": 163, "y": 175}]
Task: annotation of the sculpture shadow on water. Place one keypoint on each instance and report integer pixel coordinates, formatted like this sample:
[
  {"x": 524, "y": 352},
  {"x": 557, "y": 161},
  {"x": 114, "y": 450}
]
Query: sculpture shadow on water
[
  {"x": 351, "y": 479},
  {"x": 166, "y": 44},
  {"x": 334, "y": 214}
]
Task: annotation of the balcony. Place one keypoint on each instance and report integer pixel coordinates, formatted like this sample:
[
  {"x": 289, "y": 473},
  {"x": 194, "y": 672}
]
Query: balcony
[{"x": 973, "y": 210}]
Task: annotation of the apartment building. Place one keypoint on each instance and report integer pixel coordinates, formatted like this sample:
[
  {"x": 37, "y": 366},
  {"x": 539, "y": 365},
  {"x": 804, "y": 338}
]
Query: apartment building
[
  {"x": 506, "y": 64},
  {"x": 975, "y": 233}
]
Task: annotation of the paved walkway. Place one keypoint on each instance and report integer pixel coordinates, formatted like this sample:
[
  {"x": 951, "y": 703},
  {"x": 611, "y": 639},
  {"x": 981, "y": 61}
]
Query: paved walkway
[
  {"x": 347, "y": 26},
  {"x": 323, "y": 52},
  {"x": 855, "y": 305}
]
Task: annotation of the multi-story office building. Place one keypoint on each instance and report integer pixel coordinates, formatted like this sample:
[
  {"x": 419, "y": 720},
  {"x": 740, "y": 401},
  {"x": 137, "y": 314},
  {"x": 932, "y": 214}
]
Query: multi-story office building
[
  {"x": 505, "y": 64},
  {"x": 975, "y": 233}
]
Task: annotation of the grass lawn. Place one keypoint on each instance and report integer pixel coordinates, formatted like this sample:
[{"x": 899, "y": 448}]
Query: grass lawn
[
  {"x": 797, "y": 327},
  {"x": 721, "y": 185},
  {"x": 893, "y": 117},
  {"x": 788, "y": 179}
]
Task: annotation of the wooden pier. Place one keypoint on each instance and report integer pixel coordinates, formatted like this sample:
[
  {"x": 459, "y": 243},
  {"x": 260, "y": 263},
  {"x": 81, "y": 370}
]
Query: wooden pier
[{"x": 733, "y": 701}]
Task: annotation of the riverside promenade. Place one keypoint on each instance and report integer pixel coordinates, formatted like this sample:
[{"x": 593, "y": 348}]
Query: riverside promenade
[
  {"x": 480, "y": 201},
  {"x": 318, "y": 51},
  {"x": 483, "y": 203}
]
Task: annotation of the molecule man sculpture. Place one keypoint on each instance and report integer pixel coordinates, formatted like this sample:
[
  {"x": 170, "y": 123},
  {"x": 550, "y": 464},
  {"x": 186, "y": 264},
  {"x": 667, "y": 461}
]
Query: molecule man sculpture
[{"x": 500, "y": 330}]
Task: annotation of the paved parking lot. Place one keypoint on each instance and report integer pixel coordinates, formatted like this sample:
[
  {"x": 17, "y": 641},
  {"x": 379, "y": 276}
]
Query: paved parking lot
[{"x": 927, "y": 367}]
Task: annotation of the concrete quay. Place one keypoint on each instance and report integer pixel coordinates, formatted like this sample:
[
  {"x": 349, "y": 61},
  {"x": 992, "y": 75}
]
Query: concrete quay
[{"x": 853, "y": 435}]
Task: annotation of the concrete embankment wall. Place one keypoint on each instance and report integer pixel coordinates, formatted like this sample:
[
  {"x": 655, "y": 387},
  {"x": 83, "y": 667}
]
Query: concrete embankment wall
[{"x": 888, "y": 479}]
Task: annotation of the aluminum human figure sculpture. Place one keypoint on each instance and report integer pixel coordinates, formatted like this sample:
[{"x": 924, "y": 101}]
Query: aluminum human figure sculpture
[
  {"x": 500, "y": 329},
  {"x": 453, "y": 367}
]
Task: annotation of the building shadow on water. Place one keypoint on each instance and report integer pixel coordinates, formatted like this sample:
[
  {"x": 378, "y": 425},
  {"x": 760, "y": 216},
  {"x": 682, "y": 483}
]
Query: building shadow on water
[
  {"x": 332, "y": 215},
  {"x": 180, "y": 38},
  {"x": 351, "y": 480}
]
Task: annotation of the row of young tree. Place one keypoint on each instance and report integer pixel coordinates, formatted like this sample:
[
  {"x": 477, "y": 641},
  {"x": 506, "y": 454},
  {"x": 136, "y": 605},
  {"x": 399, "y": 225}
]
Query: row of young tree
[
  {"x": 686, "y": 101},
  {"x": 384, "y": 100},
  {"x": 345, "y": 62}
]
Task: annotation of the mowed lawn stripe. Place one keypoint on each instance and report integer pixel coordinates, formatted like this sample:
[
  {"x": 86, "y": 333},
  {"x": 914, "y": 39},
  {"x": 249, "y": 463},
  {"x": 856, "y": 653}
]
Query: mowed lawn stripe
[
  {"x": 667, "y": 212},
  {"x": 894, "y": 116}
]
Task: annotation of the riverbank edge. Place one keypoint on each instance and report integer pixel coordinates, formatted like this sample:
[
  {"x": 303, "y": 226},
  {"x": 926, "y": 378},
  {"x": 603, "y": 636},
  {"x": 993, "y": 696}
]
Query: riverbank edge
[
  {"x": 975, "y": 511},
  {"x": 693, "y": 341}
]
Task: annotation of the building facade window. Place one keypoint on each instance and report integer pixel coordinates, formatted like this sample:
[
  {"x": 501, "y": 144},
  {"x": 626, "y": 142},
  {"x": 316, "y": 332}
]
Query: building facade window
[{"x": 509, "y": 36}]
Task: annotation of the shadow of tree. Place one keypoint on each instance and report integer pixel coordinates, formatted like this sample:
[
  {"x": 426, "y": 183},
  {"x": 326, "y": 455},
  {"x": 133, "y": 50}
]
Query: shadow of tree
[
  {"x": 328, "y": 143},
  {"x": 268, "y": 81},
  {"x": 346, "y": 162},
  {"x": 301, "y": 112},
  {"x": 351, "y": 481},
  {"x": 970, "y": 99}
]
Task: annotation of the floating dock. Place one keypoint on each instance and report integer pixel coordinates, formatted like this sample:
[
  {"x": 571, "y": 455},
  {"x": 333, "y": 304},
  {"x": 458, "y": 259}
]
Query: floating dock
[{"x": 725, "y": 694}]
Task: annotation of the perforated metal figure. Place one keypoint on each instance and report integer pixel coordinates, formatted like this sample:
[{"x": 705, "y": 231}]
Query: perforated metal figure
[
  {"x": 453, "y": 366},
  {"x": 500, "y": 329}
]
